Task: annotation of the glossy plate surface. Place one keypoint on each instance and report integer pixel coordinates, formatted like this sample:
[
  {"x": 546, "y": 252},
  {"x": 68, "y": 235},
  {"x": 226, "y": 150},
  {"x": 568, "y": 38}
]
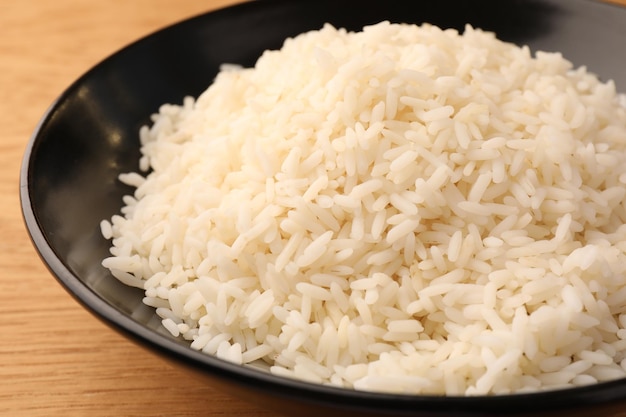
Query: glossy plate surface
[{"x": 90, "y": 135}]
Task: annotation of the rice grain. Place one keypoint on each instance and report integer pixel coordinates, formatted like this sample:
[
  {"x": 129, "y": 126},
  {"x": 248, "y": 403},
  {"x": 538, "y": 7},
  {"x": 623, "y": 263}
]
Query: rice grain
[{"x": 401, "y": 209}]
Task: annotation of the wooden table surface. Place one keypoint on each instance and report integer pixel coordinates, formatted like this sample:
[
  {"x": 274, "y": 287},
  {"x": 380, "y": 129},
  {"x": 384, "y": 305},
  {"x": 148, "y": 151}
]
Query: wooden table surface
[{"x": 55, "y": 358}]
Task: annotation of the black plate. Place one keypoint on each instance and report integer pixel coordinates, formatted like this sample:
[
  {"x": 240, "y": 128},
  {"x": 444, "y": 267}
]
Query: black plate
[{"x": 89, "y": 135}]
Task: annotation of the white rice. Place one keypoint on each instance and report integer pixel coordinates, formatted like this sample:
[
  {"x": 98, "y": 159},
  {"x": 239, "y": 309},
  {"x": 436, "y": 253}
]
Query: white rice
[{"x": 402, "y": 209}]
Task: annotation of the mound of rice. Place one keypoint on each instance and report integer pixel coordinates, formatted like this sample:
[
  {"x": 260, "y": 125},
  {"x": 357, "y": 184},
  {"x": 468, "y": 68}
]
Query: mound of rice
[{"x": 401, "y": 209}]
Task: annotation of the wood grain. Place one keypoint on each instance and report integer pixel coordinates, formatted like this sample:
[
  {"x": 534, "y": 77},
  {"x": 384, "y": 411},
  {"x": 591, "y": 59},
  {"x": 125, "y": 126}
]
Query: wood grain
[{"x": 55, "y": 358}]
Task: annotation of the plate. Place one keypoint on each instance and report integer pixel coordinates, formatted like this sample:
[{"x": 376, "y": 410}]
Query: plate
[{"x": 90, "y": 135}]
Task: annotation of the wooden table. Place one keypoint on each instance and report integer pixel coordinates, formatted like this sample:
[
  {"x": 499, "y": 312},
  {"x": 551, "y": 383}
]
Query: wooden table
[{"x": 55, "y": 358}]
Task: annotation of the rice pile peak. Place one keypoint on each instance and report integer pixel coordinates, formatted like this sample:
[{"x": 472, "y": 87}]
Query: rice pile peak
[{"x": 400, "y": 209}]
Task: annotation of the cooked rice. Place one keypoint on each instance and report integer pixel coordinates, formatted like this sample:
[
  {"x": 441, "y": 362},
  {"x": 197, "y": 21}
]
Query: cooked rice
[{"x": 403, "y": 209}]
